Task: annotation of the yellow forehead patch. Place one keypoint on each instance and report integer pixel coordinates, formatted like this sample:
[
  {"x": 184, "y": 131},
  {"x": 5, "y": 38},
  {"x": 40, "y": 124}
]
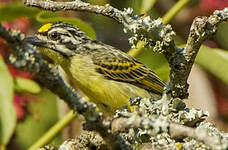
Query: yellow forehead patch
[{"x": 45, "y": 27}]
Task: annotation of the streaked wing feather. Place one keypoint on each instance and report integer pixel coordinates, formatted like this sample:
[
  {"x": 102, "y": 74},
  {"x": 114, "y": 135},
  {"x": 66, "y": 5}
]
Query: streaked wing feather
[{"x": 116, "y": 65}]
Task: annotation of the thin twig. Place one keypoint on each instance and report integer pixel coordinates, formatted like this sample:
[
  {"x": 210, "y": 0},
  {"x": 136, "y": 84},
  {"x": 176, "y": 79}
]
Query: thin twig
[{"x": 78, "y": 5}]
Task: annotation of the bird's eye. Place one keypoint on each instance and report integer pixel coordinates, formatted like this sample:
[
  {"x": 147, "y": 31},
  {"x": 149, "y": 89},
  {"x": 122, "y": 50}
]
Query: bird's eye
[{"x": 54, "y": 36}]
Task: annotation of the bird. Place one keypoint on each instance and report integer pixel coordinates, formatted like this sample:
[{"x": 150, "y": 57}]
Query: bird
[{"x": 107, "y": 76}]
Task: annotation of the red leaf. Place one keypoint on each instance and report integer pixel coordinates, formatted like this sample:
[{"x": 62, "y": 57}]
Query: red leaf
[
  {"x": 21, "y": 24},
  {"x": 19, "y": 73},
  {"x": 19, "y": 103}
]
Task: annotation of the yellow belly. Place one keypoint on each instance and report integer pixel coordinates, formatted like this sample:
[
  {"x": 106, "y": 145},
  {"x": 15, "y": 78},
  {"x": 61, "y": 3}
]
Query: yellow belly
[
  {"x": 108, "y": 95},
  {"x": 111, "y": 95}
]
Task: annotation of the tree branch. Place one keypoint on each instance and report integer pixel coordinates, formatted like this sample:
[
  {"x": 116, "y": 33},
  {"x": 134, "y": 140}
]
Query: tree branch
[
  {"x": 79, "y": 5},
  {"x": 181, "y": 63},
  {"x": 176, "y": 129}
]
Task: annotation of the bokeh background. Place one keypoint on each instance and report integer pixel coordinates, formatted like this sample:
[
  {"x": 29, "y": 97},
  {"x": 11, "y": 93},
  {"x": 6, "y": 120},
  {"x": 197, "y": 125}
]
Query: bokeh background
[{"x": 27, "y": 109}]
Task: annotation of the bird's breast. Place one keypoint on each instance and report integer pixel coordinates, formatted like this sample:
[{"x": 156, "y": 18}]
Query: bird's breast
[{"x": 109, "y": 95}]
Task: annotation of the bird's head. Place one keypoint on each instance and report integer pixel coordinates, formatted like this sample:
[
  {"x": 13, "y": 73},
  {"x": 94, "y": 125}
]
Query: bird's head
[{"x": 59, "y": 37}]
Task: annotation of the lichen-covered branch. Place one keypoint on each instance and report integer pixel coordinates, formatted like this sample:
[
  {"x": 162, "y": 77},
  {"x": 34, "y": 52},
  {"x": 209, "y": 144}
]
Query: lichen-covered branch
[
  {"x": 78, "y": 5},
  {"x": 181, "y": 63},
  {"x": 176, "y": 131},
  {"x": 179, "y": 124},
  {"x": 25, "y": 57}
]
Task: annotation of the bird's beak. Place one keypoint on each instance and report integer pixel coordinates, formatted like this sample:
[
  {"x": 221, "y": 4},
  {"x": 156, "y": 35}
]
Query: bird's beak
[
  {"x": 34, "y": 41},
  {"x": 40, "y": 43}
]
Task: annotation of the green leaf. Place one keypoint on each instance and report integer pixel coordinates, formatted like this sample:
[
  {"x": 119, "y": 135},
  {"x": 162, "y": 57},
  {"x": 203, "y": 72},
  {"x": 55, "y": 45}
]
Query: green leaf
[
  {"x": 215, "y": 61},
  {"x": 50, "y": 17},
  {"x": 42, "y": 114},
  {"x": 15, "y": 10},
  {"x": 156, "y": 62},
  {"x": 23, "y": 85},
  {"x": 7, "y": 110}
]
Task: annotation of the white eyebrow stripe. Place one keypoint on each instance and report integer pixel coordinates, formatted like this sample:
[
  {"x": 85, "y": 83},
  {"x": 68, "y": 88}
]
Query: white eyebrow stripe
[{"x": 59, "y": 30}]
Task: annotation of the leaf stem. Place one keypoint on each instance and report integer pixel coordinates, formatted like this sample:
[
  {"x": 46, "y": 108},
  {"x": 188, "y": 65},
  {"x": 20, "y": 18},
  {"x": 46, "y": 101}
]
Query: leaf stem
[
  {"x": 147, "y": 5},
  {"x": 174, "y": 10},
  {"x": 53, "y": 131},
  {"x": 2, "y": 147},
  {"x": 135, "y": 51}
]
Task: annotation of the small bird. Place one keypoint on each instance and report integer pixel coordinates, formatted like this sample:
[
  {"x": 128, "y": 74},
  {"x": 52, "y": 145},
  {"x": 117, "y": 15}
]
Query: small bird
[{"x": 107, "y": 76}]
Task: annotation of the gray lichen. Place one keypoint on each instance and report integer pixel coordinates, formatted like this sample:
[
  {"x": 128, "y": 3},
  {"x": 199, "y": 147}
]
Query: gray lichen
[
  {"x": 86, "y": 141},
  {"x": 153, "y": 32},
  {"x": 149, "y": 124}
]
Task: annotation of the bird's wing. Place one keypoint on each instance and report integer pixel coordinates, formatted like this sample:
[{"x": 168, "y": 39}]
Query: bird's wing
[{"x": 118, "y": 66}]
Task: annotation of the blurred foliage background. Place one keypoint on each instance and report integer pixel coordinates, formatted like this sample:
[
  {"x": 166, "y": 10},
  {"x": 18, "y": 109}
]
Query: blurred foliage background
[{"x": 27, "y": 109}]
